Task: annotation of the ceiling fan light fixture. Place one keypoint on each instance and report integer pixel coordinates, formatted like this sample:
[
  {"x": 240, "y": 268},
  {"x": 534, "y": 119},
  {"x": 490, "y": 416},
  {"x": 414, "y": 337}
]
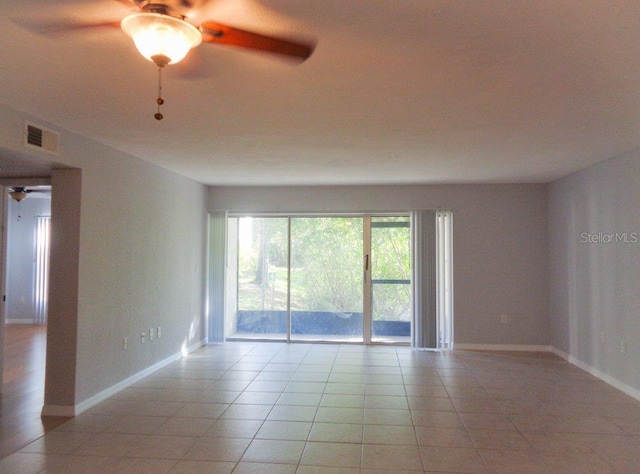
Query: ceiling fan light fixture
[
  {"x": 160, "y": 38},
  {"x": 18, "y": 194}
]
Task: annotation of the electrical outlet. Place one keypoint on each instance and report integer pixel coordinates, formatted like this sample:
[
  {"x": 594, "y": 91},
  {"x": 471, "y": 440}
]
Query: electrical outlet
[
  {"x": 125, "y": 342},
  {"x": 142, "y": 337},
  {"x": 623, "y": 347},
  {"x": 151, "y": 334},
  {"x": 159, "y": 332},
  {"x": 504, "y": 318}
]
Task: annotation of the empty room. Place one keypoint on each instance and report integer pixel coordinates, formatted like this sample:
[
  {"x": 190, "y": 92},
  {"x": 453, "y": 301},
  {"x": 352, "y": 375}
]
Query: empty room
[{"x": 299, "y": 237}]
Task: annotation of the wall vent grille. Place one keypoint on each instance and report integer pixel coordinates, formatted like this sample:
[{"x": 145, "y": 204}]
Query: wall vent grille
[{"x": 41, "y": 138}]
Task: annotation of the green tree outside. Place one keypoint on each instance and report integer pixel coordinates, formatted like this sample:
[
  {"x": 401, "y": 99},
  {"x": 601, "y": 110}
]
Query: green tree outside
[{"x": 326, "y": 265}]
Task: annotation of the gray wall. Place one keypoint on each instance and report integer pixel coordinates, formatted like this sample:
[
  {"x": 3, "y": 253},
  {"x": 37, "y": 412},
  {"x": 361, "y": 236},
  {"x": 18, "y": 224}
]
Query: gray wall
[
  {"x": 594, "y": 273},
  {"x": 128, "y": 254},
  {"x": 500, "y": 245},
  {"x": 21, "y": 254},
  {"x": 142, "y": 265}
]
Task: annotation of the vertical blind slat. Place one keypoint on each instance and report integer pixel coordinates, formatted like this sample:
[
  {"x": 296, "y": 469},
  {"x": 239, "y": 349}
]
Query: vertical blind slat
[{"x": 41, "y": 284}]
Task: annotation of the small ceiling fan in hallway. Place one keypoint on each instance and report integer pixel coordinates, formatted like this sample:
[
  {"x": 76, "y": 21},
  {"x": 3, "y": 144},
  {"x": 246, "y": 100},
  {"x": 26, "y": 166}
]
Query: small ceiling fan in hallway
[{"x": 18, "y": 193}]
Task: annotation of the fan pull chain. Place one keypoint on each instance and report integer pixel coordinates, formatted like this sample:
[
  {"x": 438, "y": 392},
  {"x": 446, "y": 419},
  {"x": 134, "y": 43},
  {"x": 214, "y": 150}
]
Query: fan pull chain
[{"x": 159, "y": 100}]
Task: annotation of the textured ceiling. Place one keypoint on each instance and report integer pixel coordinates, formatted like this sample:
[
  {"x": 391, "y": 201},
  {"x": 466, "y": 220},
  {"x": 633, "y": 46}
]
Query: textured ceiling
[{"x": 407, "y": 91}]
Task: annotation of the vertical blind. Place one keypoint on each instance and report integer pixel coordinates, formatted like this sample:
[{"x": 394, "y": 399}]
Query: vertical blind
[
  {"x": 216, "y": 276},
  {"x": 444, "y": 283},
  {"x": 41, "y": 273},
  {"x": 432, "y": 279},
  {"x": 424, "y": 276}
]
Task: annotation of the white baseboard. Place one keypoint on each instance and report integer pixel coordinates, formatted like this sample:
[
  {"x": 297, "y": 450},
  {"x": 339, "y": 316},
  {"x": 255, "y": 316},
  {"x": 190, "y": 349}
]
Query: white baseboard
[
  {"x": 502, "y": 347},
  {"x": 71, "y": 411},
  {"x": 623, "y": 387},
  {"x": 20, "y": 321},
  {"x": 75, "y": 410}
]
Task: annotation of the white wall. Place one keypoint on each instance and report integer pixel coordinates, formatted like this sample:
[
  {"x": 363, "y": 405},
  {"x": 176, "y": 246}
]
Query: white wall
[
  {"x": 500, "y": 245},
  {"x": 594, "y": 273},
  {"x": 136, "y": 247},
  {"x": 21, "y": 253}
]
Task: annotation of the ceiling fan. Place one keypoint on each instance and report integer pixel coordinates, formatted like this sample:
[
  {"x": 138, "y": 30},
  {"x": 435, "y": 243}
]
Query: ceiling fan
[
  {"x": 18, "y": 193},
  {"x": 162, "y": 34}
]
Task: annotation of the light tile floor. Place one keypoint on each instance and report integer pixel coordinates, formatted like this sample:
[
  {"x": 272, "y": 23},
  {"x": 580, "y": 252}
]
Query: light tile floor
[{"x": 313, "y": 408}]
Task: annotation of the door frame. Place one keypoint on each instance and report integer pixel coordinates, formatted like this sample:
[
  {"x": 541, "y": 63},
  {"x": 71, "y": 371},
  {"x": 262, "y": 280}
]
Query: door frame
[
  {"x": 371, "y": 225},
  {"x": 367, "y": 329},
  {"x": 4, "y": 219},
  {"x": 367, "y": 313},
  {"x": 5, "y": 184}
]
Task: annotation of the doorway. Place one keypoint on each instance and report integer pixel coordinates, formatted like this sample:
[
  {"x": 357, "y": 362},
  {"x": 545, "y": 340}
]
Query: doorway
[
  {"x": 319, "y": 278},
  {"x": 25, "y": 270},
  {"x": 28, "y": 224}
]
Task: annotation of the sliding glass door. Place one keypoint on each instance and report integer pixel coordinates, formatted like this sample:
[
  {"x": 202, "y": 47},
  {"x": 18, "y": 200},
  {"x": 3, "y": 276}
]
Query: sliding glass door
[
  {"x": 262, "y": 278},
  {"x": 326, "y": 279},
  {"x": 390, "y": 279},
  {"x": 319, "y": 278}
]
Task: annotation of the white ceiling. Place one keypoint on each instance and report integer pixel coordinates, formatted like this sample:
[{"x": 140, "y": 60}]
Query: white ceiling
[{"x": 397, "y": 91}]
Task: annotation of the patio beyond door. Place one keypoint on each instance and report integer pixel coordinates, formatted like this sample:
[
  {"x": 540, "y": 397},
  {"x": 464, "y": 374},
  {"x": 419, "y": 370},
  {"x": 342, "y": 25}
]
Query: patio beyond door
[{"x": 319, "y": 278}]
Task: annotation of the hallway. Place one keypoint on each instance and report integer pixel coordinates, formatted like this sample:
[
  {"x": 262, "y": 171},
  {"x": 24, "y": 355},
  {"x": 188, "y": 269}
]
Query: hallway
[{"x": 23, "y": 388}]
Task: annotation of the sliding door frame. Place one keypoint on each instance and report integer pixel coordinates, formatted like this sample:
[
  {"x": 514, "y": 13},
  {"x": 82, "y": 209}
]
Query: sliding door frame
[
  {"x": 367, "y": 312},
  {"x": 367, "y": 330}
]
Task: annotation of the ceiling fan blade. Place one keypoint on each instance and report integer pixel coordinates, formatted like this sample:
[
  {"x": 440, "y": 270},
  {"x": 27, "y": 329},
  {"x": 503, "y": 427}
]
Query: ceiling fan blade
[
  {"x": 213, "y": 32},
  {"x": 62, "y": 27}
]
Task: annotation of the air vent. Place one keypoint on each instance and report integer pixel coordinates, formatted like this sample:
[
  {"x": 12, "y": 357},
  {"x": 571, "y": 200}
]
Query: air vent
[{"x": 41, "y": 138}]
